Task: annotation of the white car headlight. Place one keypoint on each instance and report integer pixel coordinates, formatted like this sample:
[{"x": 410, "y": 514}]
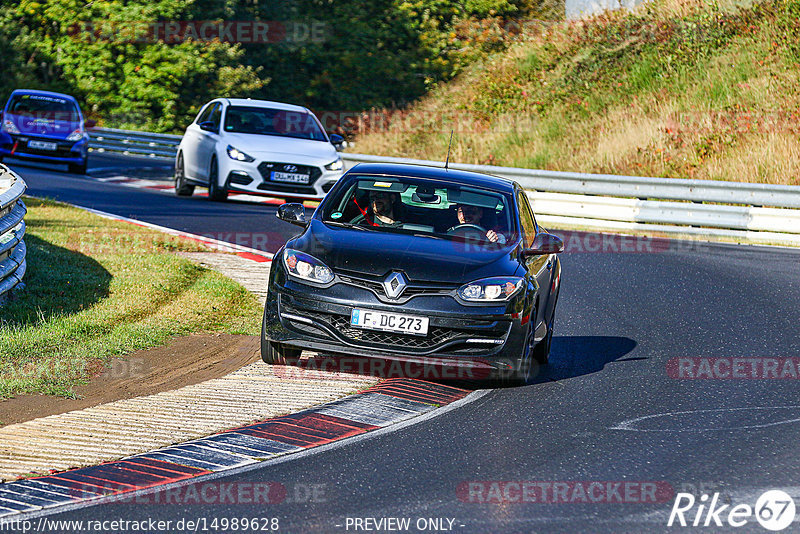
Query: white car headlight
[
  {"x": 499, "y": 289},
  {"x": 306, "y": 267},
  {"x": 77, "y": 135},
  {"x": 337, "y": 165},
  {"x": 238, "y": 155},
  {"x": 10, "y": 127}
]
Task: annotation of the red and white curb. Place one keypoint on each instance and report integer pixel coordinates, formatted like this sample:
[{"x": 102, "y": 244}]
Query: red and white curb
[
  {"x": 214, "y": 244},
  {"x": 168, "y": 187},
  {"x": 388, "y": 403}
]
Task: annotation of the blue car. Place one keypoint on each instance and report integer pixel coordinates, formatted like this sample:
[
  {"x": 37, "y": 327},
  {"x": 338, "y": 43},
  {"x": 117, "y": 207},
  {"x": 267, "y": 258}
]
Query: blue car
[{"x": 45, "y": 126}]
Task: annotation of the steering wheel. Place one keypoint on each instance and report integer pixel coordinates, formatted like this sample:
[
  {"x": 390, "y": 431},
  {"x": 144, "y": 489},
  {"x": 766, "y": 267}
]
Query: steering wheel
[{"x": 467, "y": 230}]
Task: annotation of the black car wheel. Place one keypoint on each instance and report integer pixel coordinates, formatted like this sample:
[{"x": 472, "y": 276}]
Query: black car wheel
[
  {"x": 77, "y": 168},
  {"x": 541, "y": 352},
  {"x": 275, "y": 353},
  {"x": 524, "y": 368},
  {"x": 215, "y": 192},
  {"x": 182, "y": 188}
]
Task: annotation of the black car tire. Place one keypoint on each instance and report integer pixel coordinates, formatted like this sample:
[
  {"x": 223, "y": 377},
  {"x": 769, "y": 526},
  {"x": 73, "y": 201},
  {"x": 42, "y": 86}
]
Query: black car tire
[
  {"x": 77, "y": 168},
  {"x": 522, "y": 371},
  {"x": 541, "y": 352},
  {"x": 182, "y": 187},
  {"x": 276, "y": 353},
  {"x": 215, "y": 192}
]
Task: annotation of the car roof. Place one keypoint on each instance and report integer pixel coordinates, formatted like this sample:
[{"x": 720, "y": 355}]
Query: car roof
[
  {"x": 264, "y": 104},
  {"x": 476, "y": 179},
  {"x": 36, "y": 92}
]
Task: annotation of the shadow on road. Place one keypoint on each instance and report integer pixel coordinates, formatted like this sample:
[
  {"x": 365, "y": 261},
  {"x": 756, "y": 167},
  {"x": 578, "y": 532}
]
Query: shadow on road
[{"x": 572, "y": 356}]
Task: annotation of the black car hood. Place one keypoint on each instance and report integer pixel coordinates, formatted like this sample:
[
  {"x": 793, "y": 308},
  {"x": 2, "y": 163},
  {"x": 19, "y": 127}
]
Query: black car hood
[{"x": 375, "y": 253}]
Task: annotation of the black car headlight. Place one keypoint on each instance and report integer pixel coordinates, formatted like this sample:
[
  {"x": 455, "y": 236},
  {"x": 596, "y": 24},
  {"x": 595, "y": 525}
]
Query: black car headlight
[
  {"x": 306, "y": 267},
  {"x": 499, "y": 289}
]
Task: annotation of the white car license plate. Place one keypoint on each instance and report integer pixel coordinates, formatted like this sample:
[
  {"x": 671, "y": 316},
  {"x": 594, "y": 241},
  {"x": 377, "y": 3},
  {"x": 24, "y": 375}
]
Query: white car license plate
[
  {"x": 389, "y": 322},
  {"x": 42, "y": 145},
  {"x": 293, "y": 177}
]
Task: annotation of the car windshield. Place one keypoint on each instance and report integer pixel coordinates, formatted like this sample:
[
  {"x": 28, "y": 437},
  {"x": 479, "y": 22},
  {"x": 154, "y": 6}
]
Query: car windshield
[
  {"x": 422, "y": 207},
  {"x": 43, "y": 107},
  {"x": 268, "y": 121}
]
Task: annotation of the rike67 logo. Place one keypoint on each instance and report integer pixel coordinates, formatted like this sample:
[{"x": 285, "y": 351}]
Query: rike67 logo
[{"x": 774, "y": 510}]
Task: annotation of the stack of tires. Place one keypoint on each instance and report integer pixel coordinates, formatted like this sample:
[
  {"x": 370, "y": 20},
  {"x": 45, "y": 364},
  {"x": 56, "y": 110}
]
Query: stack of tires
[{"x": 12, "y": 231}]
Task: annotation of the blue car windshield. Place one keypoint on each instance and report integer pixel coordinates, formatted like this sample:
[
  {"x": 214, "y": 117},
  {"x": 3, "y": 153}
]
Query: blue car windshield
[
  {"x": 43, "y": 107},
  {"x": 423, "y": 207},
  {"x": 268, "y": 121}
]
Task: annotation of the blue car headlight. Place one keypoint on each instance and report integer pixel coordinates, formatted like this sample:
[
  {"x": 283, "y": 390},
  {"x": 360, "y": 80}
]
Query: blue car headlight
[
  {"x": 498, "y": 289},
  {"x": 77, "y": 135},
  {"x": 306, "y": 267}
]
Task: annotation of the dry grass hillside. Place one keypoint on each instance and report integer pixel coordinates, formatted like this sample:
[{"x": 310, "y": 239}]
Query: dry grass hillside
[{"x": 674, "y": 88}]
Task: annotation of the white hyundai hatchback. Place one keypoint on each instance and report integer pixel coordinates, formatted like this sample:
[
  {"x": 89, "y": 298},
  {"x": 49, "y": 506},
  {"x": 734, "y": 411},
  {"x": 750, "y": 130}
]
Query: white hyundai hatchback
[{"x": 257, "y": 147}]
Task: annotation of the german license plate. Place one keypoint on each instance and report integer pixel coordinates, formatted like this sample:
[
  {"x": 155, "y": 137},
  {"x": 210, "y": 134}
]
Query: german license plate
[
  {"x": 389, "y": 322},
  {"x": 42, "y": 145},
  {"x": 291, "y": 177}
]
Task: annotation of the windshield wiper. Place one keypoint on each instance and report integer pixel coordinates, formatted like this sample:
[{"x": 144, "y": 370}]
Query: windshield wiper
[{"x": 345, "y": 225}]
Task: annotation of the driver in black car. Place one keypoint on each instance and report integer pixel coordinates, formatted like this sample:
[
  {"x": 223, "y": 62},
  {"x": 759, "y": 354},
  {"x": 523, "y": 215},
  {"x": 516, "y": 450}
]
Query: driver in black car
[
  {"x": 383, "y": 209},
  {"x": 474, "y": 215}
]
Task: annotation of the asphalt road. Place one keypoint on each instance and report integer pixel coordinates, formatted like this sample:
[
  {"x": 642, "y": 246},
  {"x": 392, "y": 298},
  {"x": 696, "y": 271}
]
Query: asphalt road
[
  {"x": 248, "y": 224},
  {"x": 623, "y": 321}
]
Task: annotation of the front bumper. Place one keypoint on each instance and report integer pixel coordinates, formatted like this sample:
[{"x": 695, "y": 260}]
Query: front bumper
[
  {"x": 302, "y": 316},
  {"x": 16, "y": 146},
  {"x": 254, "y": 178}
]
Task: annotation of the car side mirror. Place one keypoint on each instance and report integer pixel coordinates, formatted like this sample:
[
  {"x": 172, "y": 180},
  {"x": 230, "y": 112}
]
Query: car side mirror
[
  {"x": 90, "y": 123},
  {"x": 544, "y": 243},
  {"x": 337, "y": 141},
  {"x": 208, "y": 126},
  {"x": 293, "y": 213}
]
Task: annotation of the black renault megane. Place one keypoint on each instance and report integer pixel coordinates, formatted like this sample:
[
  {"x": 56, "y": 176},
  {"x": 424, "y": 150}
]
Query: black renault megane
[{"x": 419, "y": 264}]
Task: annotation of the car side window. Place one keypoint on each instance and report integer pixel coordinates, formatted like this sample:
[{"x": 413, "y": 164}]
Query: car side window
[
  {"x": 205, "y": 114},
  {"x": 526, "y": 219},
  {"x": 216, "y": 115}
]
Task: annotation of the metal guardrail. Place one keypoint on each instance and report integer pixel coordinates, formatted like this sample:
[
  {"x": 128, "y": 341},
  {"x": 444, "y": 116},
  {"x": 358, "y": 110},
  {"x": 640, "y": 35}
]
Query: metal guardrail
[
  {"x": 762, "y": 213},
  {"x": 136, "y": 143},
  {"x": 666, "y": 205},
  {"x": 779, "y": 196},
  {"x": 12, "y": 231}
]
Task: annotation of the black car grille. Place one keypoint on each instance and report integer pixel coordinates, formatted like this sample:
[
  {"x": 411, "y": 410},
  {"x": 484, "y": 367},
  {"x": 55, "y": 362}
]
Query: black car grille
[
  {"x": 266, "y": 167},
  {"x": 436, "y": 337},
  {"x": 413, "y": 289}
]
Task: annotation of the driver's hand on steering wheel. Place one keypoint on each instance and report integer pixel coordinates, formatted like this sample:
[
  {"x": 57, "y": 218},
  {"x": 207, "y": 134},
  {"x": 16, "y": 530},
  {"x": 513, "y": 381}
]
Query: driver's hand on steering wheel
[{"x": 493, "y": 236}]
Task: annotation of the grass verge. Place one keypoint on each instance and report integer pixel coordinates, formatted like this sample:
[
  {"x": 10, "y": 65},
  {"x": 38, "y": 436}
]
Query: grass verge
[{"x": 98, "y": 289}]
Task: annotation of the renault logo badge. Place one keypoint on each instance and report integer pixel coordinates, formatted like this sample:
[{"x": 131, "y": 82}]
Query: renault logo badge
[{"x": 394, "y": 285}]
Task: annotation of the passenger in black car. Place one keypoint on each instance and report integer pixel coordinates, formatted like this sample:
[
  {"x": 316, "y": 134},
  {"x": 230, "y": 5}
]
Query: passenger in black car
[{"x": 474, "y": 215}]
